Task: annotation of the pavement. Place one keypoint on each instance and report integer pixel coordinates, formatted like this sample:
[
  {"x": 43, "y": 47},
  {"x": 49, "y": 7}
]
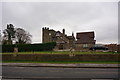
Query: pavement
[{"x": 80, "y": 65}]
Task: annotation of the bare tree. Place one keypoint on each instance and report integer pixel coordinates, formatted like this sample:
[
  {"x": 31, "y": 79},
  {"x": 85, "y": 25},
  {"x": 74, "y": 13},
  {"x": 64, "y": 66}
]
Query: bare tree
[{"x": 22, "y": 36}]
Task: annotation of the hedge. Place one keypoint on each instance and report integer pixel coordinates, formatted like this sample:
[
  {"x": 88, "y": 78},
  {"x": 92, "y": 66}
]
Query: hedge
[{"x": 29, "y": 47}]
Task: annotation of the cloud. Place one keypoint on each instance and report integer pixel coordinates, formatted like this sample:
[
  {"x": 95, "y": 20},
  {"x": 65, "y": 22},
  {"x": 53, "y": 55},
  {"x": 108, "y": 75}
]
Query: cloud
[{"x": 100, "y": 17}]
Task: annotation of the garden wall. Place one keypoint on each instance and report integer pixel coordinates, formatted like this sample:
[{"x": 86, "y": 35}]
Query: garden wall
[{"x": 62, "y": 57}]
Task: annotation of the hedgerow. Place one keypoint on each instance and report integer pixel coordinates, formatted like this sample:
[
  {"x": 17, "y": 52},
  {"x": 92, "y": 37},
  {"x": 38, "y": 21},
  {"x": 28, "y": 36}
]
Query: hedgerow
[{"x": 29, "y": 47}]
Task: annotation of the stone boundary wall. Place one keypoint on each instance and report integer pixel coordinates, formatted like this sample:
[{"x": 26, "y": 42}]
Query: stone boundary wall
[{"x": 62, "y": 57}]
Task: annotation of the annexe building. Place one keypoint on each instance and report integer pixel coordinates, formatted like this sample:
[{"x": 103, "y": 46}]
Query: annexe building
[{"x": 85, "y": 40}]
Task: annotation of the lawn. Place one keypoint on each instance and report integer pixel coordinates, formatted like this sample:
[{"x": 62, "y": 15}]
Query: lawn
[{"x": 61, "y": 52}]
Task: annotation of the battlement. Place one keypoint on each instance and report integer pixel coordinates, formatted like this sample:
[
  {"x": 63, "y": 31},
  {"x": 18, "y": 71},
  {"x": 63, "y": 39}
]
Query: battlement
[{"x": 45, "y": 28}]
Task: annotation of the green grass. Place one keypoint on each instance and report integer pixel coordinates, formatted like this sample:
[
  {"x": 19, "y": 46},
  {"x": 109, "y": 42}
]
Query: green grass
[
  {"x": 61, "y": 52},
  {"x": 63, "y": 62}
]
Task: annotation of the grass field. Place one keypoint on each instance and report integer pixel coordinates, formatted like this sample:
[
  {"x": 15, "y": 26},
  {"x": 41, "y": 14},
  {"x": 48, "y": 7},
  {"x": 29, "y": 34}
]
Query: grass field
[{"x": 61, "y": 52}]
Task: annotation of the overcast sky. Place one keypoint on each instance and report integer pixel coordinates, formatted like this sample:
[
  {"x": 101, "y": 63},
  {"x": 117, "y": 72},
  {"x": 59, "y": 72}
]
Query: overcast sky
[{"x": 100, "y": 17}]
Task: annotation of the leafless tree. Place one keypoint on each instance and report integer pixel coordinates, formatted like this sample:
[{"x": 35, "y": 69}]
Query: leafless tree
[{"x": 22, "y": 36}]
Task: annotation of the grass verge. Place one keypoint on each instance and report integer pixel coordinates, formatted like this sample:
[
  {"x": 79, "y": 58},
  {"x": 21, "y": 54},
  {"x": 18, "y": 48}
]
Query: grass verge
[{"x": 63, "y": 62}]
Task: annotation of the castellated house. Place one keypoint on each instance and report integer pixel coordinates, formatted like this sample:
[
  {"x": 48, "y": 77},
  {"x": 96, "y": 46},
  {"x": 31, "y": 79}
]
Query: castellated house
[
  {"x": 63, "y": 41},
  {"x": 84, "y": 41}
]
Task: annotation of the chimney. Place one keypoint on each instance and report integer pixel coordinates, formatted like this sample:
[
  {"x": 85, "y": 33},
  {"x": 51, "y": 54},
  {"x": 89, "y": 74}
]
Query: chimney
[
  {"x": 63, "y": 31},
  {"x": 72, "y": 34}
]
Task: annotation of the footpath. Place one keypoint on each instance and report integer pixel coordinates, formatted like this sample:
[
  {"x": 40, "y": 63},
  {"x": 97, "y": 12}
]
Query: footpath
[{"x": 81, "y": 65}]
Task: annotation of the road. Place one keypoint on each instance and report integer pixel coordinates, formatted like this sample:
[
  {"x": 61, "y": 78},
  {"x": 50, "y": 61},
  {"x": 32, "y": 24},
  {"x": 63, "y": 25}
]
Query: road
[{"x": 54, "y": 72}]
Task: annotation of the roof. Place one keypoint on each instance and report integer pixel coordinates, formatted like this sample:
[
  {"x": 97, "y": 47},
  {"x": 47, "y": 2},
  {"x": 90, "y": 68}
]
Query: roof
[
  {"x": 84, "y": 34},
  {"x": 85, "y": 37},
  {"x": 70, "y": 37}
]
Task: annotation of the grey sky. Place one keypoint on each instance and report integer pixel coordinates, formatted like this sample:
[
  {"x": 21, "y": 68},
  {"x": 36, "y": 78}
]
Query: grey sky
[{"x": 101, "y": 17}]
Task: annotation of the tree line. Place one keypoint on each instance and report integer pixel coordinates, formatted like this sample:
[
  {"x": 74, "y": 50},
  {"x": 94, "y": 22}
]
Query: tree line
[{"x": 12, "y": 35}]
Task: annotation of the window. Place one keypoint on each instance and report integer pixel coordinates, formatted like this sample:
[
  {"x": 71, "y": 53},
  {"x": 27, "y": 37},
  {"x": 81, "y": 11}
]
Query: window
[
  {"x": 49, "y": 34},
  {"x": 85, "y": 45}
]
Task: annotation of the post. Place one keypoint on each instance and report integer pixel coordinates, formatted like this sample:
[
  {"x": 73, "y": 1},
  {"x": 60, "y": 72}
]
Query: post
[{"x": 15, "y": 50}]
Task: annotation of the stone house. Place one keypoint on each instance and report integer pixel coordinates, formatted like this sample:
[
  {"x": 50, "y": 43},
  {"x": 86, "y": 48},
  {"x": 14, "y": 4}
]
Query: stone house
[
  {"x": 63, "y": 41},
  {"x": 84, "y": 41}
]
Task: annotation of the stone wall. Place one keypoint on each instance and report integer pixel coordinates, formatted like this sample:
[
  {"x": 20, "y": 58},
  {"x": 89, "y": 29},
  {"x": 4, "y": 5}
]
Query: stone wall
[{"x": 62, "y": 57}]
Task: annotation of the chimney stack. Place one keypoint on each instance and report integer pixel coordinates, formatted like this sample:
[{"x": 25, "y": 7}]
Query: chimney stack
[{"x": 63, "y": 31}]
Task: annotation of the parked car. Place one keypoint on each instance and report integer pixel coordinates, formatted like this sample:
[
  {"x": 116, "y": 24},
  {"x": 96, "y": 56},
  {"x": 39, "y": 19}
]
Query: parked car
[{"x": 98, "y": 48}]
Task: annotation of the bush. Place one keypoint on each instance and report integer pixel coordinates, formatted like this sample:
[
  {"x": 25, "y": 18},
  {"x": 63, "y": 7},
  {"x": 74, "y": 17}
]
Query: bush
[{"x": 29, "y": 47}]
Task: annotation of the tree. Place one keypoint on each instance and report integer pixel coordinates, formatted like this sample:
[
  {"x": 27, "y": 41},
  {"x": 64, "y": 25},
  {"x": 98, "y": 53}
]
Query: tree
[
  {"x": 22, "y": 36},
  {"x": 16, "y": 35},
  {"x": 9, "y": 33}
]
